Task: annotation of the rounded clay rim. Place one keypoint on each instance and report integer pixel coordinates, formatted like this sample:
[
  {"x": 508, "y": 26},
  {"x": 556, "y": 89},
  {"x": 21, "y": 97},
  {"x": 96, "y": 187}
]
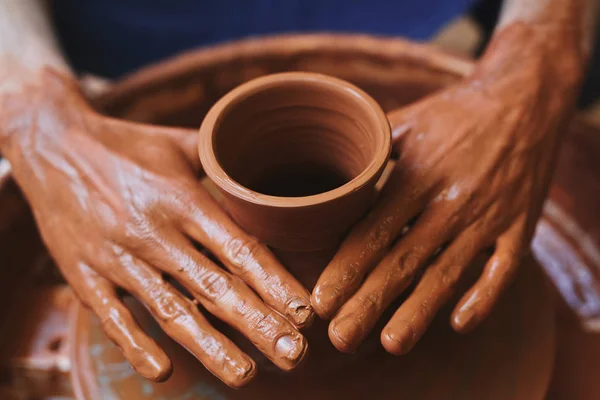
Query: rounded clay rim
[{"x": 213, "y": 169}]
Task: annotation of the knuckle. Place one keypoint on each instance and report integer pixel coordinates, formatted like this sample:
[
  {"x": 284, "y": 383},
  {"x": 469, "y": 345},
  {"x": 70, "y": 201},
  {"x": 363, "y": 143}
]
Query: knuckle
[
  {"x": 449, "y": 275},
  {"x": 171, "y": 309},
  {"x": 134, "y": 232},
  {"x": 381, "y": 236},
  {"x": 184, "y": 197},
  {"x": 263, "y": 321},
  {"x": 408, "y": 261},
  {"x": 215, "y": 286},
  {"x": 242, "y": 251},
  {"x": 351, "y": 275},
  {"x": 124, "y": 229},
  {"x": 371, "y": 302}
]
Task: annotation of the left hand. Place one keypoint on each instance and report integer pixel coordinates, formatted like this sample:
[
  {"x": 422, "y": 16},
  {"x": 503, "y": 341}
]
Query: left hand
[{"x": 475, "y": 162}]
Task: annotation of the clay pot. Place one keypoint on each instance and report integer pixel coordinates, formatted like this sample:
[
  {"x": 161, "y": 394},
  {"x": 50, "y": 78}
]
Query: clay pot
[{"x": 296, "y": 156}]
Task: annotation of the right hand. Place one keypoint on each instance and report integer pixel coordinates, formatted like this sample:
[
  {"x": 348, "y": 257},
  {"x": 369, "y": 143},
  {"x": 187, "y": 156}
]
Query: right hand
[{"x": 118, "y": 205}]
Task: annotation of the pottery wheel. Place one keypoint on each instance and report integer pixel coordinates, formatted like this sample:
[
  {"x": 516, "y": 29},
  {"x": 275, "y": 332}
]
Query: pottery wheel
[{"x": 509, "y": 357}]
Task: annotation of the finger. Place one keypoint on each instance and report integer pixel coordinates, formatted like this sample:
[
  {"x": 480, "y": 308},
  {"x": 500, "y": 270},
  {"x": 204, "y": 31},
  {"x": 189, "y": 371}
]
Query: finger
[
  {"x": 185, "y": 139},
  {"x": 183, "y": 322},
  {"x": 403, "y": 120},
  {"x": 232, "y": 301},
  {"x": 357, "y": 317},
  {"x": 436, "y": 286},
  {"x": 478, "y": 302},
  {"x": 247, "y": 258},
  {"x": 367, "y": 243},
  {"x": 146, "y": 357}
]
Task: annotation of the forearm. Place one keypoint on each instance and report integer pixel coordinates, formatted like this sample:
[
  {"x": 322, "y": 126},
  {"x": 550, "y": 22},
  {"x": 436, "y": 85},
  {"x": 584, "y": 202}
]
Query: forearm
[
  {"x": 27, "y": 46},
  {"x": 27, "y": 42},
  {"x": 552, "y": 37},
  {"x": 578, "y": 17}
]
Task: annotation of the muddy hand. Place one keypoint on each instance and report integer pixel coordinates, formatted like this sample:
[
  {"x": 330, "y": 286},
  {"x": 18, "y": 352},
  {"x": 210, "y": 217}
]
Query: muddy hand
[
  {"x": 475, "y": 162},
  {"x": 119, "y": 205}
]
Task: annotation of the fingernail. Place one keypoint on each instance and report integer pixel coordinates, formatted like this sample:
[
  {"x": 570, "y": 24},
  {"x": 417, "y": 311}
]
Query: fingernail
[
  {"x": 291, "y": 348},
  {"x": 300, "y": 312},
  {"x": 465, "y": 319},
  {"x": 399, "y": 341},
  {"x": 246, "y": 369},
  {"x": 241, "y": 372},
  {"x": 342, "y": 332},
  {"x": 326, "y": 299},
  {"x": 156, "y": 370}
]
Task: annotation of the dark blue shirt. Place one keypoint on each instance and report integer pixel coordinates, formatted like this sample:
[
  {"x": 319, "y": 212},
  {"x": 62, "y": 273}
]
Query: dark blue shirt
[{"x": 111, "y": 37}]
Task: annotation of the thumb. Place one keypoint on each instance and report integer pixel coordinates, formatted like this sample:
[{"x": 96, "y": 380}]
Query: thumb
[
  {"x": 404, "y": 119},
  {"x": 401, "y": 124},
  {"x": 185, "y": 138}
]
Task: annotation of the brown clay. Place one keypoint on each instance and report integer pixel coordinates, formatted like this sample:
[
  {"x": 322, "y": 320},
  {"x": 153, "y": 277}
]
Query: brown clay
[
  {"x": 517, "y": 366},
  {"x": 85, "y": 172},
  {"x": 296, "y": 156},
  {"x": 400, "y": 72},
  {"x": 27, "y": 173}
]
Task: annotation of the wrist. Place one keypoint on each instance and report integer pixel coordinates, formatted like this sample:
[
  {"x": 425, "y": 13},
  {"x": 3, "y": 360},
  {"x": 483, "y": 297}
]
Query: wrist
[
  {"x": 543, "y": 54},
  {"x": 25, "y": 96},
  {"x": 16, "y": 75}
]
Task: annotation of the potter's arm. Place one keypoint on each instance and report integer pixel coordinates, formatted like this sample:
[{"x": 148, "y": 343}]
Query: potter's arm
[
  {"x": 27, "y": 44},
  {"x": 558, "y": 31},
  {"x": 113, "y": 217},
  {"x": 573, "y": 20},
  {"x": 27, "y": 41},
  {"x": 475, "y": 162}
]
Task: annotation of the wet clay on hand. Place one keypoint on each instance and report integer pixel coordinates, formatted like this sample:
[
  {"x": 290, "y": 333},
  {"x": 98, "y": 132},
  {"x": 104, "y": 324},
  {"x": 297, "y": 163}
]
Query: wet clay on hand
[
  {"x": 119, "y": 206},
  {"x": 475, "y": 161}
]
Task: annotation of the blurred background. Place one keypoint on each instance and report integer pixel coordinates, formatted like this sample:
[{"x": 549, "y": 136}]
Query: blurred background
[{"x": 92, "y": 32}]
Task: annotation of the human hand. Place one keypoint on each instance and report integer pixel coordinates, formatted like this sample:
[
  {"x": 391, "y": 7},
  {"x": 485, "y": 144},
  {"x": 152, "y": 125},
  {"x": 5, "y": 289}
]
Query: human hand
[
  {"x": 118, "y": 205},
  {"x": 475, "y": 162}
]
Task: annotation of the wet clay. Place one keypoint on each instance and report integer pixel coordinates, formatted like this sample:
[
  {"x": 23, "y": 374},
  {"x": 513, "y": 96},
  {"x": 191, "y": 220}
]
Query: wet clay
[
  {"x": 399, "y": 73},
  {"x": 84, "y": 172},
  {"x": 518, "y": 366},
  {"x": 80, "y": 185},
  {"x": 474, "y": 165},
  {"x": 462, "y": 190},
  {"x": 274, "y": 135}
]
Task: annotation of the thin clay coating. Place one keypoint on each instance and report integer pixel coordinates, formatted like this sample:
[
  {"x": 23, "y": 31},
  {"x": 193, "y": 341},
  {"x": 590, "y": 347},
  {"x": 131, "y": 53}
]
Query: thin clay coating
[
  {"x": 119, "y": 205},
  {"x": 475, "y": 162}
]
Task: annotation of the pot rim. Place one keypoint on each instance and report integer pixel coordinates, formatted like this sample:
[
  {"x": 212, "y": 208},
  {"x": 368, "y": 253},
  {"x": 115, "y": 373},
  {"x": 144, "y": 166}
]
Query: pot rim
[{"x": 225, "y": 182}]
